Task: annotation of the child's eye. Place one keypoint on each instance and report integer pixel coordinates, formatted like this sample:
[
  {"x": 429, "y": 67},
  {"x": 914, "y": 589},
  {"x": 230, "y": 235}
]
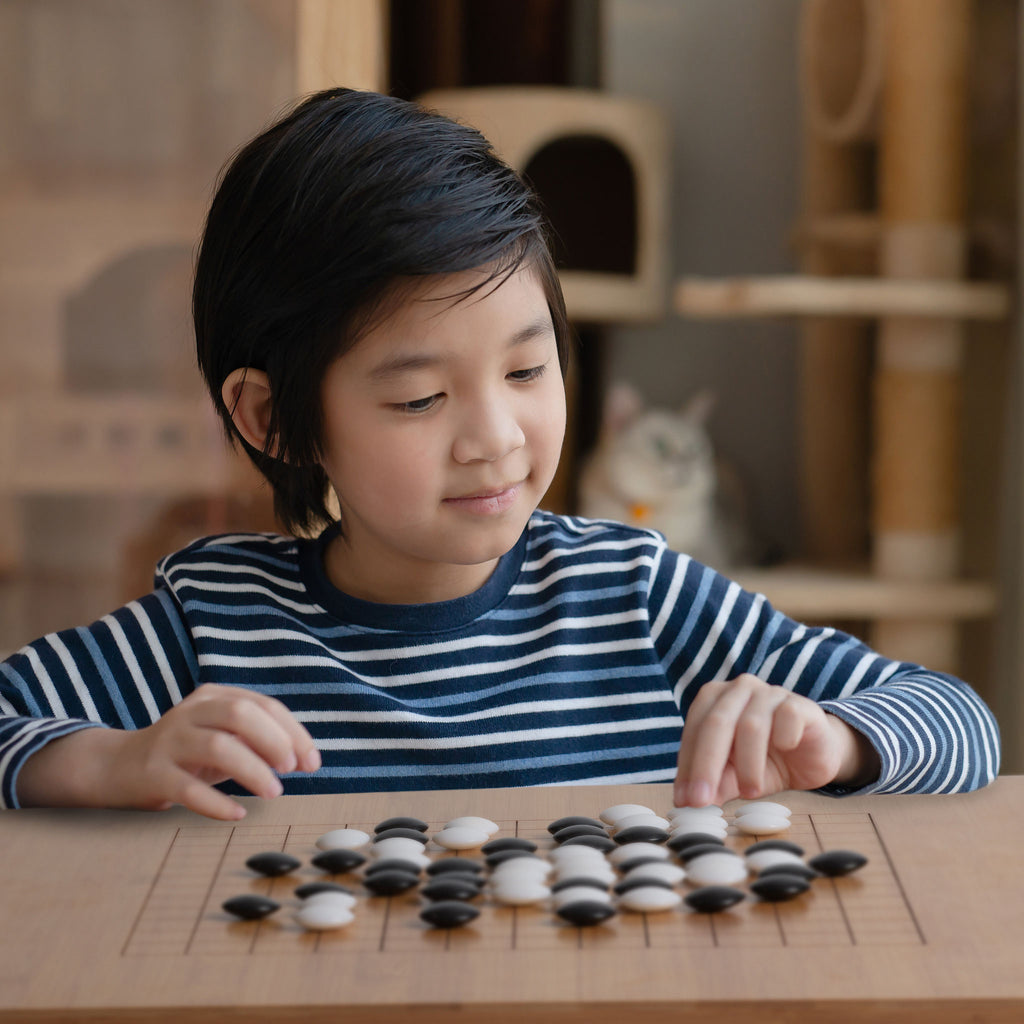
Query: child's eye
[
  {"x": 419, "y": 405},
  {"x": 526, "y": 375}
]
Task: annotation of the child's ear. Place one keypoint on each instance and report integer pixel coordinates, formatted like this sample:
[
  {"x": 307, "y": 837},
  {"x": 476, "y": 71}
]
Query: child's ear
[{"x": 246, "y": 394}]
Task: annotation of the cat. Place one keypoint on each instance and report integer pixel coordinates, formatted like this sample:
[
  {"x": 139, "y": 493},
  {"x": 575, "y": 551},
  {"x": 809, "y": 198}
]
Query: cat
[{"x": 656, "y": 468}]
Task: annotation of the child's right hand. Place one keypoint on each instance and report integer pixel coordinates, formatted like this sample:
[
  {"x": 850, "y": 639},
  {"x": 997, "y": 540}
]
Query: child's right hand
[{"x": 214, "y": 734}]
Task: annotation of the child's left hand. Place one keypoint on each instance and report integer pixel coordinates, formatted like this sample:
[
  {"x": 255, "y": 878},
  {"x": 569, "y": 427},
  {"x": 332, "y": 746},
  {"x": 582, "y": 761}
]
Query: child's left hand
[{"x": 748, "y": 738}]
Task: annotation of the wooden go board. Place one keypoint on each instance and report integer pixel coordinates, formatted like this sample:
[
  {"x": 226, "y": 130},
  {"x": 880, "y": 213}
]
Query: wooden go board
[{"x": 118, "y": 916}]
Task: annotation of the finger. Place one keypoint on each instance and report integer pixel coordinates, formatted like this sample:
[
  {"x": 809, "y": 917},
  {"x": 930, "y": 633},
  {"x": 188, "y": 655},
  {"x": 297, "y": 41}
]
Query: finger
[
  {"x": 788, "y": 725},
  {"x": 714, "y": 740},
  {"x": 249, "y": 717},
  {"x": 197, "y": 796},
  {"x": 215, "y": 755},
  {"x": 754, "y": 731},
  {"x": 304, "y": 748},
  {"x": 698, "y": 710}
]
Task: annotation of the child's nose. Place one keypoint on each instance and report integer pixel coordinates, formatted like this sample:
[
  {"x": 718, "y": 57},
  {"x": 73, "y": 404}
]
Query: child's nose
[{"x": 488, "y": 432}]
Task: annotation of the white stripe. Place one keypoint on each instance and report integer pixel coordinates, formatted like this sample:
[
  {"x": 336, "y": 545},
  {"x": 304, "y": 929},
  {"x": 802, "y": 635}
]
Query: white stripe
[
  {"x": 132, "y": 665},
  {"x": 865, "y": 663},
  {"x": 668, "y": 606},
  {"x": 442, "y": 674},
  {"x": 804, "y": 657},
  {"x": 249, "y": 590},
  {"x": 575, "y": 552},
  {"x": 488, "y": 739},
  {"x": 74, "y": 677},
  {"x": 501, "y": 711},
  {"x": 56, "y": 705},
  {"x": 740, "y": 643},
  {"x": 954, "y": 726},
  {"x": 156, "y": 649},
  {"x": 240, "y": 569},
  {"x": 425, "y": 650},
  {"x": 769, "y": 663},
  {"x": 594, "y": 569},
  {"x": 652, "y": 775},
  {"x": 732, "y": 593}
]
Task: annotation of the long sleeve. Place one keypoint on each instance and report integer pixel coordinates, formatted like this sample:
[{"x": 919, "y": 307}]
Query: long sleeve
[
  {"x": 932, "y": 732},
  {"x": 124, "y": 671}
]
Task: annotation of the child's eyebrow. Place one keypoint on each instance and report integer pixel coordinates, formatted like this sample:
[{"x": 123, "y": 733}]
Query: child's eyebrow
[{"x": 408, "y": 362}]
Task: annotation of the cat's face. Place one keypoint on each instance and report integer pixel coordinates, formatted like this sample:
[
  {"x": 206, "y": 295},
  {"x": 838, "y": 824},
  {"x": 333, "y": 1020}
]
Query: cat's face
[{"x": 662, "y": 453}]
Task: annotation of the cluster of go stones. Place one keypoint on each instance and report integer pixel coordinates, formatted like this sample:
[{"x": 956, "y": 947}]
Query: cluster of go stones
[{"x": 630, "y": 859}]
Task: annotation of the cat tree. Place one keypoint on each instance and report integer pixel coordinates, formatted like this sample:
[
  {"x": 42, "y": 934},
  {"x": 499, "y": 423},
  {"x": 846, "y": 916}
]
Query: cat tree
[{"x": 890, "y": 75}]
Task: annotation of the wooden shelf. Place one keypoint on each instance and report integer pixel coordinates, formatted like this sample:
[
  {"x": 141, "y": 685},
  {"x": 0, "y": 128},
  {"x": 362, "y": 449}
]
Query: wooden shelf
[
  {"x": 795, "y": 295},
  {"x": 804, "y": 592}
]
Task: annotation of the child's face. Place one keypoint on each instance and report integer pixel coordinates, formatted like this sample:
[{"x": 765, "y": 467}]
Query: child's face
[{"x": 442, "y": 429}]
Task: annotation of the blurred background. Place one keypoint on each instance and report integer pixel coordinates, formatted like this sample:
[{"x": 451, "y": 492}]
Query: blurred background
[{"x": 803, "y": 210}]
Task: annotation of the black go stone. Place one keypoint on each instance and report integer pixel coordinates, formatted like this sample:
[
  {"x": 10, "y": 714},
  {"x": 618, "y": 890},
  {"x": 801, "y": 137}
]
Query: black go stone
[
  {"x": 390, "y": 883},
  {"x": 451, "y": 887},
  {"x": 444, "y": 864},
  {"x": 602, "y": 843},
  {"x": 574, "y": 819},
  {"x": 308, "y": 889},
  {"x": 710, "y": 899},
  {"x": 392, "y": 864},
  {"x": 837, "y": 862},
  {"x": 508, "y": 843},
  {"x": 698, "y": 850},
  {"x": 250, "y": 907},
  {"x": 398, "y": 832},
  {"x": 449, "y": 913},
  {"x": 585, "y": 913},
  {"x": 494, "y": 859},
  {"x": 641, "y": 834},
  {"x": 679, "y": 843},
  {"x": 582, "y": 880},
  {"x": 803, "y": 870},
  {"x": 338, "y": 862},
  {"x": 273, "y": 863},
  {"x": 571, "y": 831},
  {"x": 776, "y": 844},
  {"x": 778, "y": 887},
  {"x": 635, "y": 883},
  {"x": 401, "y": 822},
  {"x": 634, "y": 862}
]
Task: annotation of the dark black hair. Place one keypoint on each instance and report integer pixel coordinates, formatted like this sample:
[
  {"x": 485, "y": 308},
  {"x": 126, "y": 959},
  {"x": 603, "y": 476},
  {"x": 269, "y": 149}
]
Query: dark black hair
[{"x": 314, "y": 225}]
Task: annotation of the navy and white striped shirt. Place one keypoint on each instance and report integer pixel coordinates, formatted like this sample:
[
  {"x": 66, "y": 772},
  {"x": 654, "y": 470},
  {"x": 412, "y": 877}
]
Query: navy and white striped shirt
[{"x": 575, "y": 663}]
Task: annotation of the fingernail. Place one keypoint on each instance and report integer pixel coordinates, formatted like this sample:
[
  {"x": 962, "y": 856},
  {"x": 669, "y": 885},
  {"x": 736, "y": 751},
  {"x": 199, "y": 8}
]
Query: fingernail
[
  {"x": 273, "y": 789},
  {"x": 311, "y": 760},
  {"x": 699, "y": 794},
  {"x": 288, "y": 765}
]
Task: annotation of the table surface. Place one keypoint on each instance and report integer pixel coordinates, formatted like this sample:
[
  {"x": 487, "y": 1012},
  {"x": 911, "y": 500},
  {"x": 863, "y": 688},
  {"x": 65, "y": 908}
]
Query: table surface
[{"x": 116, "y": 916}]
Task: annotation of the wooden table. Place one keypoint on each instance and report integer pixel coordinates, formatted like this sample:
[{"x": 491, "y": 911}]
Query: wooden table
[{"x": 108, "y": 916}]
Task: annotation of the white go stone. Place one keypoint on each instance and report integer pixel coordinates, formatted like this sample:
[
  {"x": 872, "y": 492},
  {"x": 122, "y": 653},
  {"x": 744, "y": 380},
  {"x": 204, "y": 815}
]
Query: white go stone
[
  {"x": 763, "y": 805},
  {"x": 579, "y": 893},
  {"x": 652, "y": 820},
  {"x": 648, "y": 898},
  {"x": 345, "y": 900},
  {"x": 323, "y": 915},
  {"x": 520, "y": 891},
  {"x": 472, "y": 821},
  {"x": 761, "y": 859},
  {"x": 575, "y": 855},
  {"x": 762, "y": 823},
  {"x": 401, "y": 848},
  {"x": 660, "y": 871},
  {"x": 711, "y": 810},
  {"x": 716, "y": 869},
  {"x": 630, "y": 850},
  {"x": 343, "y": 839},
  {"x": 612, "y": 815},
  {"x": 460, "y": 837},
  {"x": 525, "y": 867},
  {"x": 710, "y": 827}
]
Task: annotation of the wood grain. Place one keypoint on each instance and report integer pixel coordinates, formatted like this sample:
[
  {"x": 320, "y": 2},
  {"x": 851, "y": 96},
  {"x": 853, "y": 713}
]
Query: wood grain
[{"x": 116, "y": 916}]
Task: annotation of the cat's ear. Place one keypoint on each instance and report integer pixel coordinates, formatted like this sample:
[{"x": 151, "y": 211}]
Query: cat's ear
[
  {"x": 699, "y": 408},
  {"x": 622, "y": 404}
]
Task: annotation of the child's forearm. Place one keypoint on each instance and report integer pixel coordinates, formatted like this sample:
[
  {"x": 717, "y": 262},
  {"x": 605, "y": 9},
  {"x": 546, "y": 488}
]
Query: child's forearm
[
  {"x": 72, "y": 771},
  {"x": 859, "y": 761}
]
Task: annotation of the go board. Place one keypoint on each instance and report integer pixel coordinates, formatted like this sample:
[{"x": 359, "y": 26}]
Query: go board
[{"x": 120, "y": 916}]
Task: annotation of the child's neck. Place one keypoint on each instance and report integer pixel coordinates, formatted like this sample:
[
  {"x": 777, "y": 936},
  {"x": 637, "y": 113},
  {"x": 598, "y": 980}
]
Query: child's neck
[{"x": 384, "y": 583}]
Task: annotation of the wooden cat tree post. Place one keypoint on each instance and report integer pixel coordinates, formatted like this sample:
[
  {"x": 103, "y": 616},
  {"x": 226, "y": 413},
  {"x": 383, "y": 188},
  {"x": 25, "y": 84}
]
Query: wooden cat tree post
[{"x": 917, "y": 384}]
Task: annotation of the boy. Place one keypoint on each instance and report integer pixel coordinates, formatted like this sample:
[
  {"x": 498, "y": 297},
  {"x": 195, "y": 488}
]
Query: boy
[{"x": 377, "y": 313}]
